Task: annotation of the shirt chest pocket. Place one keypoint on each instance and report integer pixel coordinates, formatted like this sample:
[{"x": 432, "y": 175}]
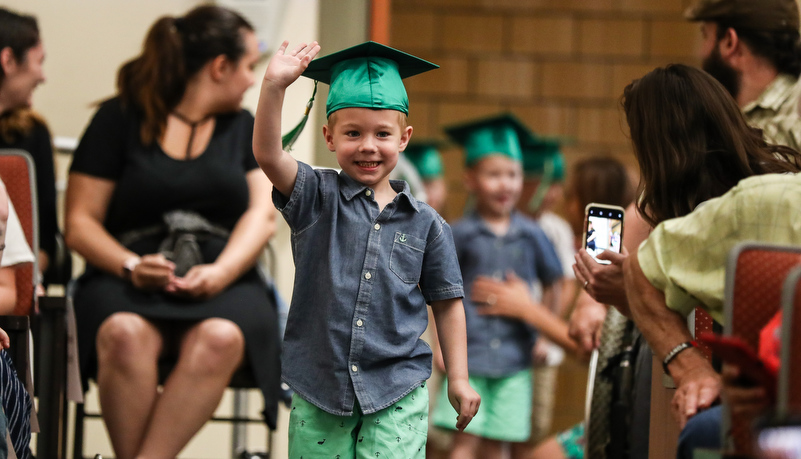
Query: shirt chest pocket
[{"x": 406, "y": 259}]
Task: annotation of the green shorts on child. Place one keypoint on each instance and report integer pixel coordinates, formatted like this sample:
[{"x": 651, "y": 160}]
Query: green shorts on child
[
  {"x": 505, "y": 413},
  {"x": 396, "y": 432}
]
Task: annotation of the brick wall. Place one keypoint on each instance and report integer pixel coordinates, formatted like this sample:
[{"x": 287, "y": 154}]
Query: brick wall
[{"x": 560, "y": 65}]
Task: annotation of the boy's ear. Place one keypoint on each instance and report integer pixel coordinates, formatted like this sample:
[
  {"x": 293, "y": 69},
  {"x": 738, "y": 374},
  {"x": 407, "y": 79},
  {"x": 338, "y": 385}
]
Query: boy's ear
[
  {"x": 469, "y": 179},
  {"x": 328, "y": 135},
  {"x": 406, "y": 136}
]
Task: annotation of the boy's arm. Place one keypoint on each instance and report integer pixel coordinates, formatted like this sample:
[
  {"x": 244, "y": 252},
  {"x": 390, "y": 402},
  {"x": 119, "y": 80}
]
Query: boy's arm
[
  {"x": 452, "y": 335},
  {"x": 283, "y": 70}
]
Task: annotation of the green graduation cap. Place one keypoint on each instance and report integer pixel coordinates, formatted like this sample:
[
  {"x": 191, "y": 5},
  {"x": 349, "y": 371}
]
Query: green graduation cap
[
  {"x": 368, "y": 75},
  {"x": 544, "y": 157},
  {"x": 502, "y": 134},
  {"x": 426, "y": 158}
]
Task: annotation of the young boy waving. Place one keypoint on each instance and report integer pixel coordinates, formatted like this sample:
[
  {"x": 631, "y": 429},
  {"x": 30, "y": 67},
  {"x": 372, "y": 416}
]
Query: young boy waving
[{"x": 368, "y": 258}]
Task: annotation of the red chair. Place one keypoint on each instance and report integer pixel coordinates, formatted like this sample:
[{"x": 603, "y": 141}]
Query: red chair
[
  {"x": 788, "y": 396},
  {"x": 755, "y": 275},
  {"x": 49, "y": 332}
]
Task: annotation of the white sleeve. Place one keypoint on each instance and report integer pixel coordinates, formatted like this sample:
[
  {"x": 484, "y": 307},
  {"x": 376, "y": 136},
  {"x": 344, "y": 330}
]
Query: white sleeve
[{"x": 17, "y": 248}]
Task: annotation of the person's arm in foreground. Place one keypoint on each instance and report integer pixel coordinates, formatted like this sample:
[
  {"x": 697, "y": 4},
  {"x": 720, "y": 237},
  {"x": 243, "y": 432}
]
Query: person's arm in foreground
[
  {"x": 452, "y": 335},
  {"x": 283, "y": 70},
  {"x": 511, "y": 298},
  {"x": 697, "y": 383}
]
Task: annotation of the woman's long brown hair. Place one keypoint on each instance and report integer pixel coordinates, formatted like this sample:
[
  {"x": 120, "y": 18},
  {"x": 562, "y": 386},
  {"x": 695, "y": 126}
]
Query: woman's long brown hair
[
  {"x": 175, "y": 49},
  {"x": 692, "y": 141}
]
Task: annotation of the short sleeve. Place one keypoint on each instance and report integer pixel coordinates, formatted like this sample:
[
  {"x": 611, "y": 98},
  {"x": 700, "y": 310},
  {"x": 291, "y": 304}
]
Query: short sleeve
[
  {"x": 441, "y": 278},
  {"x": 688, "y": 254},
  {"x": 17, "y": 249},
  {"x": 101, "y": 151},
  {"x": 249, "y": 159},
  {"x": 549, "y": 267},
  {"x": 303, "y": 207}
]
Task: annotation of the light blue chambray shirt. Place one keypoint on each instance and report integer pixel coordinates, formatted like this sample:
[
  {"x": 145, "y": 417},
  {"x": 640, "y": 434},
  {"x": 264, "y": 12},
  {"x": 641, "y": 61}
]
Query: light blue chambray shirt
[
  {"x": 362, "y": 281},
  {"x": 498, "y": 346}
]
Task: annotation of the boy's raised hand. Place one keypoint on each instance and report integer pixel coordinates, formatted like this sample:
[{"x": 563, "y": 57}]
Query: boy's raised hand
[
  {"x": 464, "y": 400},
  {"x": 285, "y": 67}
]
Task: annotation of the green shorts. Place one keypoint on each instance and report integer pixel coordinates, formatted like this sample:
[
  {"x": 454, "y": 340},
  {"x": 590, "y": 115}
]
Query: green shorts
[
  {"x": 505, "y": 411},
  {"x": 572, "y": 441},
  {"x": 396, "y": 432}
]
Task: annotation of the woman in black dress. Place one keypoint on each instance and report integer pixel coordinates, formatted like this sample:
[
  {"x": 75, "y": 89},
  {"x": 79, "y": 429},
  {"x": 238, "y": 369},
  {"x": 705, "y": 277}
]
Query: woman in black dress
[{"x": 174, "y": 138}]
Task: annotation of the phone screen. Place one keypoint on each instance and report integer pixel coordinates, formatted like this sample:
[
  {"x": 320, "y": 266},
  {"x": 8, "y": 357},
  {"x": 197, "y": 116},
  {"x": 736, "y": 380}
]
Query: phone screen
[
  {"x": 780, "y": 441},
  {"x": 603, "y": 230}
]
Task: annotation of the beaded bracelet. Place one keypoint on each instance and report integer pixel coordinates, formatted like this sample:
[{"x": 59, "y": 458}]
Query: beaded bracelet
[{"x": 674, "y": 352}]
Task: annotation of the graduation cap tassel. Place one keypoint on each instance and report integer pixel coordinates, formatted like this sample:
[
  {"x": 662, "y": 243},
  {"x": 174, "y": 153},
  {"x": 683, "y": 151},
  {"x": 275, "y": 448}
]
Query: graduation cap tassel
[
  {"x": 288, "y": 139},
  {"x": 538, "y": 197}
]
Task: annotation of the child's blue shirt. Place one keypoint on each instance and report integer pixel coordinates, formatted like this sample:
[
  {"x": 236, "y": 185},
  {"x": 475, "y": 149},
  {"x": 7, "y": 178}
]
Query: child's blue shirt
[
  {"x": 362, "y": 281},
  {"x": 498, "y": 346}
]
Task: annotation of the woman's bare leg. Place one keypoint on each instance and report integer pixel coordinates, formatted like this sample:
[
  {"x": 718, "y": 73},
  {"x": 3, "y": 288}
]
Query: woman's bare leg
[
  {"x": 128, "y": 347},
  {"x": 210, "y": 353}
]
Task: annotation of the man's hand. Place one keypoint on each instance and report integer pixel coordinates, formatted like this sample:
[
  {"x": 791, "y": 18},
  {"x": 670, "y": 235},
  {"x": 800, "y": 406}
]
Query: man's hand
[
  {"x": 604, "y": 283},
  {"x": 285, "y": 67},
  {"x": 464, "y": 400},
  {"x": 586, "y": 322},
  {"x": 697, "y": 383}
]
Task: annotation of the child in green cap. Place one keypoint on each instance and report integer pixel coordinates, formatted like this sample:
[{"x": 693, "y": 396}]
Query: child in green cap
[
  {"x": 426, "y": 159},
  {"x": 497, "y": 242},
  {"x": 368, "y": 258}
]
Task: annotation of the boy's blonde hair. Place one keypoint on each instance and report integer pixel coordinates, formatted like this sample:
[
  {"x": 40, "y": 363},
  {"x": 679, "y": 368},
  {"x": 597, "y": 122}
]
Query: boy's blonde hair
[{"x": 403, "y": 120}]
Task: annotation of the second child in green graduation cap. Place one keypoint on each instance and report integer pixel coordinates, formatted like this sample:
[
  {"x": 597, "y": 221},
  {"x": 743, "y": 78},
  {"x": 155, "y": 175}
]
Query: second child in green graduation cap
[
  {"x": 496, "y": 243},
  {"x": 368, "y": 258}
]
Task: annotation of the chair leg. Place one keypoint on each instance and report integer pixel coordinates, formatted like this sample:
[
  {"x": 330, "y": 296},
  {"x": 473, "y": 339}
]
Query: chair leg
[
  {"x": 77, "y": 444},
  {"x": 239, "y": 432}
]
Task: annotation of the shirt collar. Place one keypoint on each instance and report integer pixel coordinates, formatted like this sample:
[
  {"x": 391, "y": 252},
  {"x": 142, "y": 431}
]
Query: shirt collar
[
  {"x": 350, "y": 188},
  {"x": 775, "y": 95}
]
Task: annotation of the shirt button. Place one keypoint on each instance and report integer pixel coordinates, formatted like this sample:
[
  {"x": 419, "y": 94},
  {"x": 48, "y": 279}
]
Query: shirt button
[
  {"x": 359, "y": 323},
  {"x": 377, "y": 226},
  {"x": 367, "y": 276},
  {"x": 495, "y": 343},
  {"x": 354, "y": 368},
  {"x": 368, "y": 192}
]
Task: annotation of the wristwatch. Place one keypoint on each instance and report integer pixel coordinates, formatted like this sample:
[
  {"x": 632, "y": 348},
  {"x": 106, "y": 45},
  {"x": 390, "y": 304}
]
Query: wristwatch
[{"x": 129, "y": 265}]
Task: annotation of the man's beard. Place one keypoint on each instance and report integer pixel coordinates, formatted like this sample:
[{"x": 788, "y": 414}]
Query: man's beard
[{"x": 724, "y": 73}]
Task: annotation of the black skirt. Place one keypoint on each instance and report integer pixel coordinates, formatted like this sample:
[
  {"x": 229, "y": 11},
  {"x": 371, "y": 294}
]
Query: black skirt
[{"x": 248, "y": 302}]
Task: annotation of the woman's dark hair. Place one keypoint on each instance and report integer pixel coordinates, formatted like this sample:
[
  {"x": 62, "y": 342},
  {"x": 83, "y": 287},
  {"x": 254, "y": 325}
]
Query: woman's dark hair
[
  {"x": 781, "y": 48},
  {"x": 175, "y": 49},
  {"x": 692, "y": 142},
  {"x": 600, "y": 179},
  {"x": 19, "y": 32}
]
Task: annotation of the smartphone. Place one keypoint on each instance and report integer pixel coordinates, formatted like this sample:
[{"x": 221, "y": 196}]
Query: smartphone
[
  {"x": 734, "y": 350},
  {"x": 603, "y": 229}
]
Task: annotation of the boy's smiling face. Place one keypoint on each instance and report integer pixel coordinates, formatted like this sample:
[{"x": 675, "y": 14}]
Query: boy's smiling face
[
  {"x": 497, "y": 182},
  {"x": 367, "y": 142}
]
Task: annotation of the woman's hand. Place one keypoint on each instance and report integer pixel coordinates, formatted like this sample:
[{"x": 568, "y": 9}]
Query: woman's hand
[
  {"x": 154, "y": 272},
  {"x": 603, "y": 282},
  {"x": 285, "y": 67},
  {"x": 202, "y": 281}
]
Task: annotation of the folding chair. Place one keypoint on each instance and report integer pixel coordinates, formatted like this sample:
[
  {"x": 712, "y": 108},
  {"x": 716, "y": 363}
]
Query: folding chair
[
  {"x": 788, "y": 395},
  {"x": 755, "y": 274},
  {"x": 48, "y": 326}
]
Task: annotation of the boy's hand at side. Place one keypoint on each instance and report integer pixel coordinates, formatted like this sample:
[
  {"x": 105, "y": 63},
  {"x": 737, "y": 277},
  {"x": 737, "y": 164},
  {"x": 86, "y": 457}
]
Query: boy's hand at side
[
  {"x": 286, "y": 67},
  {"x": 464, "y": 400}
]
